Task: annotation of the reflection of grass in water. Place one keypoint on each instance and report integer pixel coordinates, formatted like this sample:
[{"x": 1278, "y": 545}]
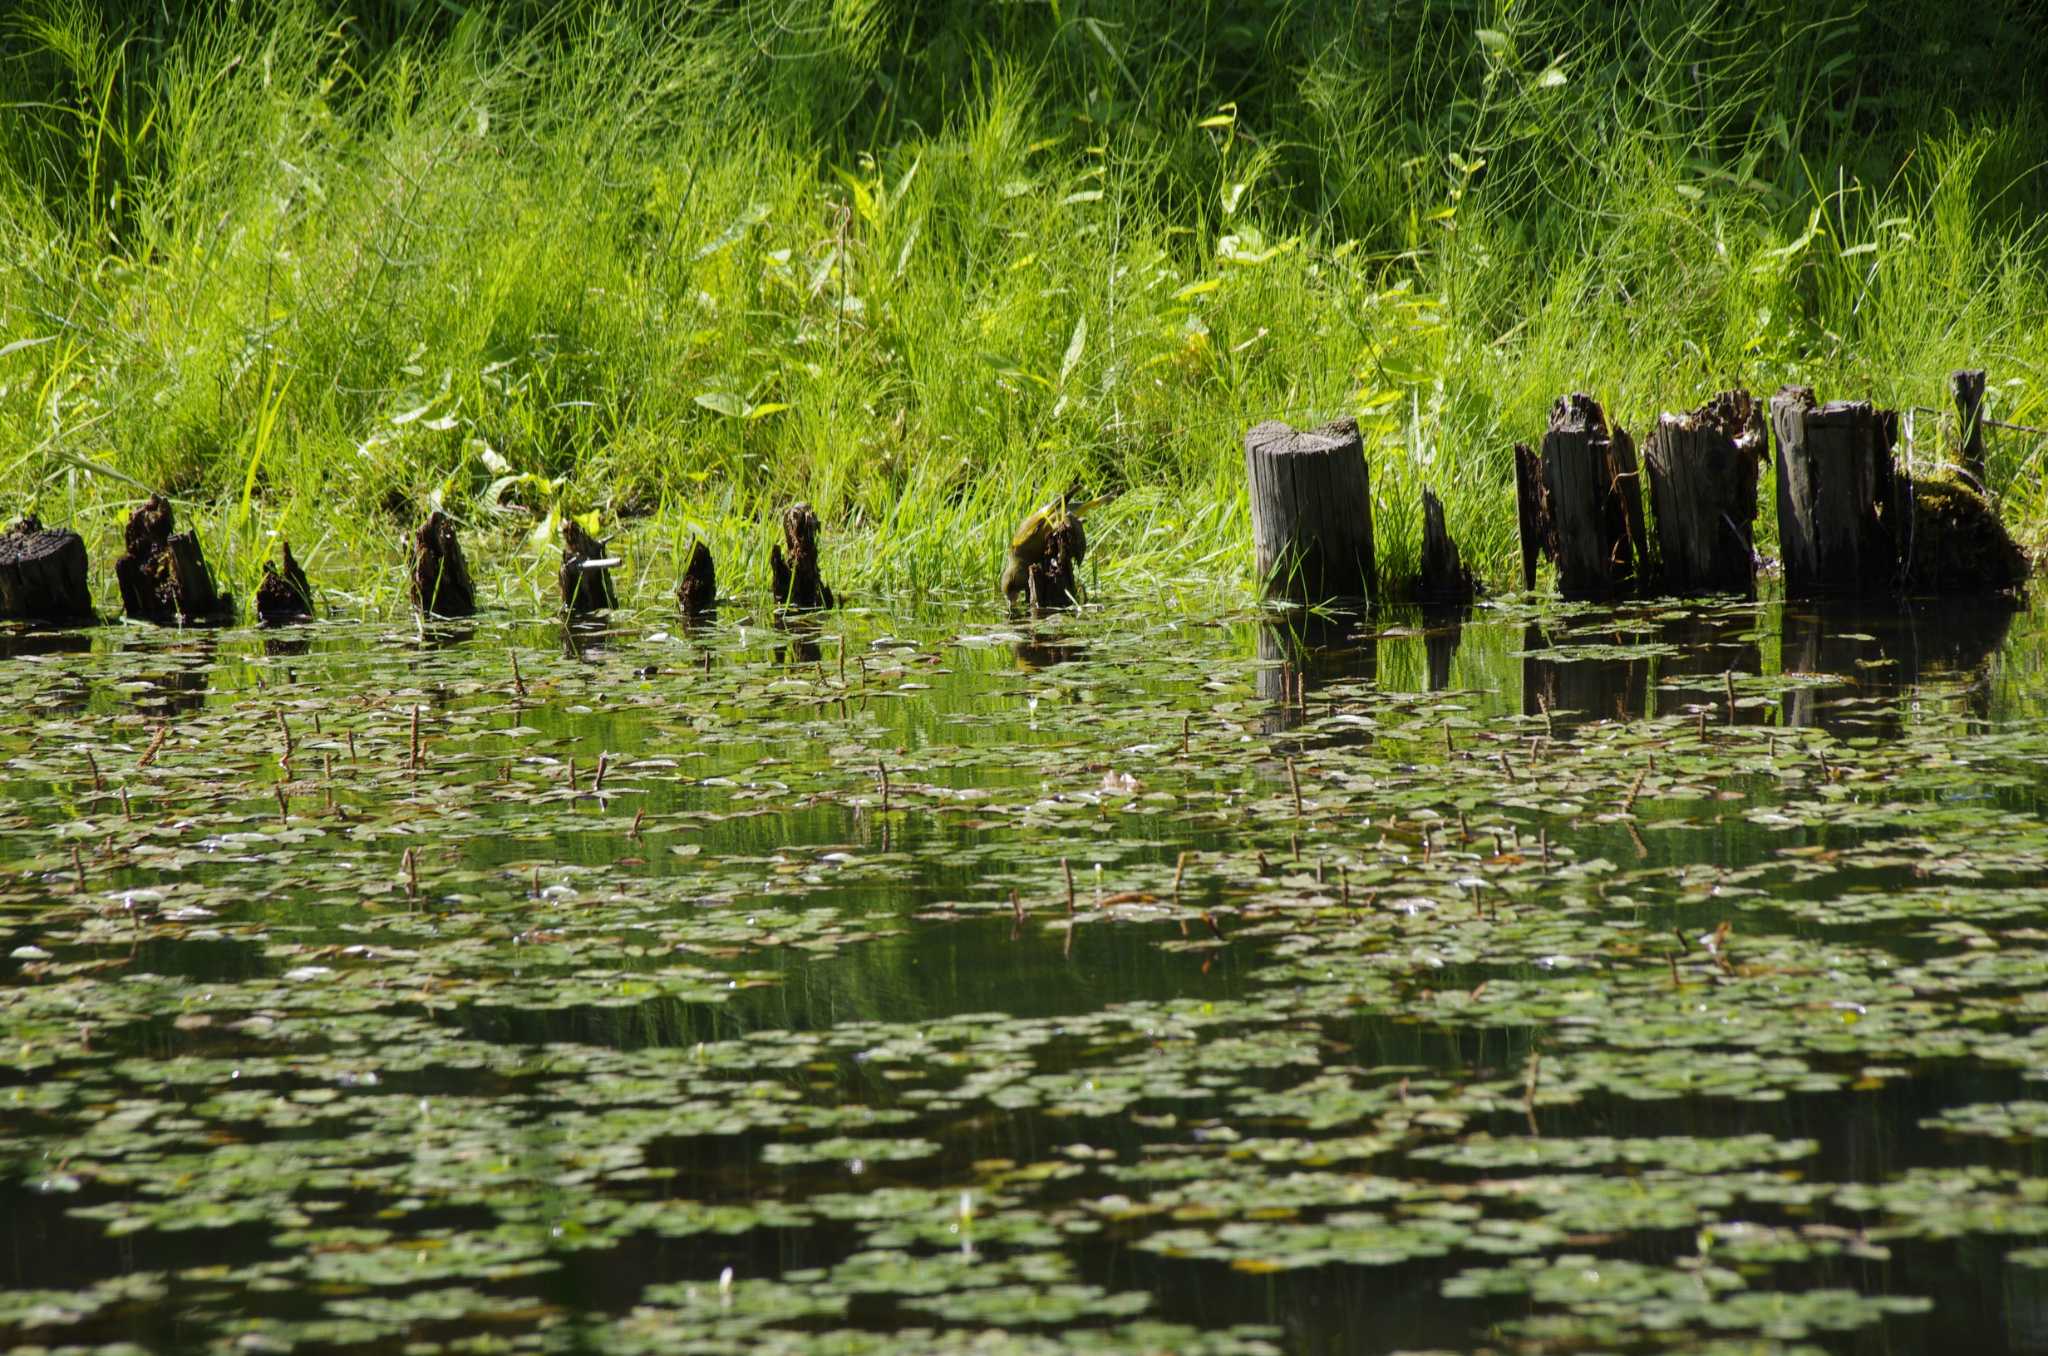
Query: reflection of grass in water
[{"x": 917, "y": 266}]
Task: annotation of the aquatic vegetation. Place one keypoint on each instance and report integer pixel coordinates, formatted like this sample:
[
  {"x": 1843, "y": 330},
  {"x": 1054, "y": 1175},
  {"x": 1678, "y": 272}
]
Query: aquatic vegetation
[{"x": 1653, "y": 978}]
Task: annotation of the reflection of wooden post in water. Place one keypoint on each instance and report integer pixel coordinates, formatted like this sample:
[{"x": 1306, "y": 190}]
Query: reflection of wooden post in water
[
  {"x": 1881, "y": 653},
  {"x": 1311, "y": 511},
  {"x": 1443, "y": 629},
  {"x": 1576, "y": 692},
  {"x": 1307, "y": 654},
  {"x": 1711, "y": 646}
]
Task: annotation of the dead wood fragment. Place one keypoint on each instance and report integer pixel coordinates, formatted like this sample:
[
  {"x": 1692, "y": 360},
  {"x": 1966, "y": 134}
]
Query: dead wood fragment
[
  {"x": 697, "y": 592},
  {"x": 283, "y": 595},
  {"x": 163, "y": 576},
  {"x": 440, "y": 576},
  {"x": 586, "y": 579},
  {"x": 793, "y": 563}
]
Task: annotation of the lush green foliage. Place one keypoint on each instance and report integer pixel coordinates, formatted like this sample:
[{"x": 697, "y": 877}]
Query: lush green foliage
[{"x": 924, "y": 264}]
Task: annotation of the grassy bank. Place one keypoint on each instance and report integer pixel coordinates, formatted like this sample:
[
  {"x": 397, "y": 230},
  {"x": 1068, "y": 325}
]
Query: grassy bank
[{"x": 924, "y": 265}]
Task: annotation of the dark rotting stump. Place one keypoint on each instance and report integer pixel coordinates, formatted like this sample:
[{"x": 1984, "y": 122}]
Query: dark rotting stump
[
  {"x": 697, "y": 591},
  {"x": 1580, "y": 503},
  {"x": 283, "y": 595},
  {"x": 1311, "y": 500},
  {"x": 43, "y": 574},
  {"x": 586, "y": 577},
  {"x": 1702, "y": 469},
  {"x": 440, "y": 576},
  {"x": 1054, "y": 580},
  {"x": 793, "y": 562},
  {"x": 1444, "y": 576},
  {"x": 1967, "y": 386},
  {"x": 163, "y": 575}
]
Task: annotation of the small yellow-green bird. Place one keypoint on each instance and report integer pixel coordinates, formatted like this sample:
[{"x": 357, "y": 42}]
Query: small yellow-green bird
[{"x": 1034, "y": 538}]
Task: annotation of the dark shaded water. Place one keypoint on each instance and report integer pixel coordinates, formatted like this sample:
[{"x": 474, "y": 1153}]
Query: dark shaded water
[{"x": 1516, "y": 980}]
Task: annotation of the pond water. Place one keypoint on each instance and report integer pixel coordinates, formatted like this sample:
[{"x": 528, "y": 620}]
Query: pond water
[{"x": 1534, "y": 980}]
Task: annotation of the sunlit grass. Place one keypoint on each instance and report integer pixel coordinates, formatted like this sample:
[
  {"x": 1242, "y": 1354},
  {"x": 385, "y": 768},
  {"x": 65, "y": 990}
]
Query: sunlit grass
[{"x": 309, "y": 277}]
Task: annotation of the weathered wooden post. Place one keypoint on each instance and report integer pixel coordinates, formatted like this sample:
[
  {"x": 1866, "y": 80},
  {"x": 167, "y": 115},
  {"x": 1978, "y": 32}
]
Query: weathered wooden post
[
  {"x": 1703, "y": 470},
  {"x": 1311, "y": 511},
  {"x": 1581, "y": 502},
  {"x": 440, "y": 574},
  {"x": 43, "y": 574},
  {"x": 1444, "y": 576},
  {"x": 163, "y": 575},
  {"x": 1967, "y": 385},
  {"x": 1834, "y": 476}
]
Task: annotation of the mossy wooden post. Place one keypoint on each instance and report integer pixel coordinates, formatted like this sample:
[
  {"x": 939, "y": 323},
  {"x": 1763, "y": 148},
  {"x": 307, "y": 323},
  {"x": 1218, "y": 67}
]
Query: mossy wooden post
[
  {"x": 1311, "y": 511},
  {"x": 1444, "y": 576},
  {"x": 1592, "y": 505},
  {"x": 1703, "y": 470},
  {"x": 1834, "y": 476},
  {"x": 43, "y": 574},
  {"x": 1967, "y": 385}
]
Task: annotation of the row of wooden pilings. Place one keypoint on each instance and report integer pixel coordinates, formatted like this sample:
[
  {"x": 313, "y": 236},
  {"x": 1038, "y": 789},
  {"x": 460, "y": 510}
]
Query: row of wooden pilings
[
  {"x": 1851, "y": 522},
  {"x": 163, "y": 577}
]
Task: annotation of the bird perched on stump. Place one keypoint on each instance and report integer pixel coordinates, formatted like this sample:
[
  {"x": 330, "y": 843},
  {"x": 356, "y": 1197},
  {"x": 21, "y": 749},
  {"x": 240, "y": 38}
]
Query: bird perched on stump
[{"x": 1046, "y": 552}]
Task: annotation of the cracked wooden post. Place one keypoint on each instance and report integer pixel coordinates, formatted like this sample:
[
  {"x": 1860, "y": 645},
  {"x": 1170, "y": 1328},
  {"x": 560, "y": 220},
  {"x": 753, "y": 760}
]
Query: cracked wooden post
[
  {"x": 1834, "y": 477},
  {"x": 1311, "y": 502},
  {"x": 43, "y": 574},
  {"x": 1967, "y": 386},
  {"x": 1582, "y": 502},
  {"x": 1703, "y": 472}
]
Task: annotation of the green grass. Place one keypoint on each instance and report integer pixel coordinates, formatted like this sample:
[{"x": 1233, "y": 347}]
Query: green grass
[{"x": 923, "y": 265}]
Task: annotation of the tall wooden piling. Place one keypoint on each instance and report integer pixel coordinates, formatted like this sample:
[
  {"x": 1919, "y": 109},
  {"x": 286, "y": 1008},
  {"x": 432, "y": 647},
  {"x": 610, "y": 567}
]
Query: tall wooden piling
[
  {"x": 1580, "y": 503},
  {"x": 1834, "y": 479},
  {"x": 1703, "y": 472},
  {"x": 1311, "y": 503}
]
